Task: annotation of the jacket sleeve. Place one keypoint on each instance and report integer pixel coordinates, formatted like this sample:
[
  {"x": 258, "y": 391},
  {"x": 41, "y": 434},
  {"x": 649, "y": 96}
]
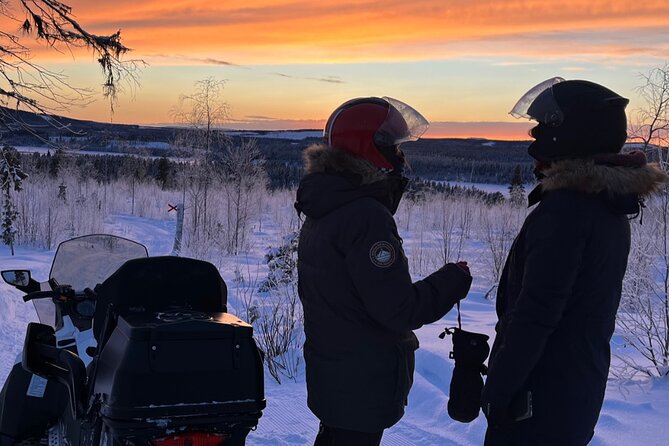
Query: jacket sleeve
[
  {"x": 380, "y": 273},
  {"x": 554, "y": 246}
]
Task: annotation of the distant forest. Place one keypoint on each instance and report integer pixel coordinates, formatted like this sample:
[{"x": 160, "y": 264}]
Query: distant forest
[
  {"x": 454, "y": 160},
  {"x": 435, "y": 160}
]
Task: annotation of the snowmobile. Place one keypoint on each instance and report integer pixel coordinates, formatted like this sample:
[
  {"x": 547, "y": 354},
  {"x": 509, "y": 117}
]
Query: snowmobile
[{"x": 130, "y": 350}]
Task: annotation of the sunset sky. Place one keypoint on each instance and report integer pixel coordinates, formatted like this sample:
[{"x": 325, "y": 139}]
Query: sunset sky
[{"x": 288, "y": 64}]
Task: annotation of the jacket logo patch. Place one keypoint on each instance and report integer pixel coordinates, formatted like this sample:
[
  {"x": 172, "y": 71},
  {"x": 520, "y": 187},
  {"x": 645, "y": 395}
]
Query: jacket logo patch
[{"x": 382, "y": 254}]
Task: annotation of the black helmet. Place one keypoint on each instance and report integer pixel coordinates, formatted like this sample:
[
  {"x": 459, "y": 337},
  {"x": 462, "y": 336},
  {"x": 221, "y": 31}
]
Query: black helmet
[{"x": 576, "y": 119}]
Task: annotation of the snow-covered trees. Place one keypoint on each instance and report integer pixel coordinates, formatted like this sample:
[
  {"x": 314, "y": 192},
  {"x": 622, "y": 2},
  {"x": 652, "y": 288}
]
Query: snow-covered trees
[
  {"x": 11, "y": 179},
  {"x": 442, "y": 226},
  {"x": 233, "y": 167},
  {"x": 244, "y": 182},
  {"x": 516, "y": 188},
  {"x": 643, "y": 319}
]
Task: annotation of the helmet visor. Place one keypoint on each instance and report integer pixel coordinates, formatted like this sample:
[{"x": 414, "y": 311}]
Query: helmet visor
[
  {"x": 540, "y": 104},
  {"x": 403, "y": 123}
]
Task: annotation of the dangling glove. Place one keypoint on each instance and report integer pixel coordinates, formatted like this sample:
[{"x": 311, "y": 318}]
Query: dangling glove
[{"x": 470, "y": 350}]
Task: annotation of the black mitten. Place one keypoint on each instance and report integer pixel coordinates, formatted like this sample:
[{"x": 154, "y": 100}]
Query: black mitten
[{"x": 470, "y": 350}]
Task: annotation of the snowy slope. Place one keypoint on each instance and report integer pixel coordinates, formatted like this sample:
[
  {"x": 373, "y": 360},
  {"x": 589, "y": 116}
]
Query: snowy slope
[{"x": 634, "y": 413}]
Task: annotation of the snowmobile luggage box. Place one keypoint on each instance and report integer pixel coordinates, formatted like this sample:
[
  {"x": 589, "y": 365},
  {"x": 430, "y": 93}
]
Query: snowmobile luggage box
[{"x": 179, "y": 364}]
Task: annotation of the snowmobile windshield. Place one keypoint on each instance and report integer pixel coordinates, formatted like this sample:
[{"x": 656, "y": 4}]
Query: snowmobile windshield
[
  {"x": 46, "y": 311},
  {"x": 540, "y": 104},
  {"x": 84, "y": 262}
]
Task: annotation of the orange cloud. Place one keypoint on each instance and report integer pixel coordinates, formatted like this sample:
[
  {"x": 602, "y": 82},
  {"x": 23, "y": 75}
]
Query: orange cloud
[
  {"x": 187, "y": 39},
  {"x": 273, "y": 31}
]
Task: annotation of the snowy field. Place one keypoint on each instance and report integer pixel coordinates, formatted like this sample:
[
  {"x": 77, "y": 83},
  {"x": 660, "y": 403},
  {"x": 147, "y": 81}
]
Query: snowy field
[{"x": 635, "y": 412}]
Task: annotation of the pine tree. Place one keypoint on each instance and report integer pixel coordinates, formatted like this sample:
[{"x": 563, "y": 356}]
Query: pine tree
[
  {"x": 9, "y": 216},
  {"x": 62, "y": 192},
  {"x": 163, "y": 175},
  {"x": 55, "y": 162},
  {"x": 516, "y": 188},
  {"x": 11, "y": 177}
]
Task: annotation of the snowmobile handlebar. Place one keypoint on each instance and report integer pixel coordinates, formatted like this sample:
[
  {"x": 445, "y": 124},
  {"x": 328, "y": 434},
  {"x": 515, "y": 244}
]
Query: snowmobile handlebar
[
  {"x": 61, "y": 293},
  {"x": 39, "y": 295}
]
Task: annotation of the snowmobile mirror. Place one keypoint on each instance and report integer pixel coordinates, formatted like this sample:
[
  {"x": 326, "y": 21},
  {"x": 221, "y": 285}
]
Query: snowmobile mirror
[
  {"x": 43, "y": 358},
  {"x": 16, "y": 277}
]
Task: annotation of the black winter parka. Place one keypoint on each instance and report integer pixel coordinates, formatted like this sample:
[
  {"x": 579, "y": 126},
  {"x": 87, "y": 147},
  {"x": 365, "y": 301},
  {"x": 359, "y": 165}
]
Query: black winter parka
[
  {"x": 557, "y": 302},
  {"x": 359, "y": 302}
]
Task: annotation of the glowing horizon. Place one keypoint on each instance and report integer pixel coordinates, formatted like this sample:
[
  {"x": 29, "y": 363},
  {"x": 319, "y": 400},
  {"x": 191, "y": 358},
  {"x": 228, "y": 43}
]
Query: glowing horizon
[{"x": 291, "y": 61}]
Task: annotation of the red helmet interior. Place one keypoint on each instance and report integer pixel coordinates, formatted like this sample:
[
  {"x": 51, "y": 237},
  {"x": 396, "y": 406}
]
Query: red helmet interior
[{"x": 353, "y": 127}]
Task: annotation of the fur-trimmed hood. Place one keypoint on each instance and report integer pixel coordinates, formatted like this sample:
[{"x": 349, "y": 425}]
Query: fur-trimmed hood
[
  {"x": 590, "y": 177},
  {"x": 334, "y": 178},
  {"x": 320, "y": 158}
]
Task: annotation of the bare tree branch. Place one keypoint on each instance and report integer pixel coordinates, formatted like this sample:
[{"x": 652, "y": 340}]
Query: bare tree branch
[
  {"x": 650, "y": 122},
  {"x": 25, "y": 84}
]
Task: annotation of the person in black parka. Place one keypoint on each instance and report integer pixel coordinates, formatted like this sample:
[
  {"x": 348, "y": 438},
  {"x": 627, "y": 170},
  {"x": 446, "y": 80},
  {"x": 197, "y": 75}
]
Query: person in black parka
[
  {"x": 359, "y": 301},
  {"x": 561, "y": 285}
]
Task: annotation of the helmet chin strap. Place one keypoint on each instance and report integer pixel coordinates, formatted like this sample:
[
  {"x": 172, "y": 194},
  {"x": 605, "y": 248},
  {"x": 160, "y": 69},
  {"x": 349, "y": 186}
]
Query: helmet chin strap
[{"x": 395, "y": 157}]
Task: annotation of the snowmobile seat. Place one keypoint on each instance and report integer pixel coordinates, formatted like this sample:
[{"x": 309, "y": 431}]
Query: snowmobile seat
[{"x": 155, "y": 284}]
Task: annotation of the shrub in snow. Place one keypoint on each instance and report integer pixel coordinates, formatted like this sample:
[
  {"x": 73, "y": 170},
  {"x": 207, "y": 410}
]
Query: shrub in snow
[
  {"x": 282, "y": 263},
  {"x": 279, "y": 331},
  {"x": 277, "y": 318}
]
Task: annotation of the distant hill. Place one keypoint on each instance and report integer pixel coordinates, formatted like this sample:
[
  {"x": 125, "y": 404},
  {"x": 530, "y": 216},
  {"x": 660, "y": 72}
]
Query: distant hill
[
  {"x": 470, "y": 160},
  {"x": 26, "y": 128},
  {"x": 12, "y": 120}
]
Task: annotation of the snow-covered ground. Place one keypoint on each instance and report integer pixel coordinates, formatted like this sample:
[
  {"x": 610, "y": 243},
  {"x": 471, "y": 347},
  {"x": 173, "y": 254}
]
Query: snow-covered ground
[{"x": 634, "y": 413}]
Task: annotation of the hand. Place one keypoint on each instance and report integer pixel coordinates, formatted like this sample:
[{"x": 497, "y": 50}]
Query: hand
[
  {"x": 463, "y": 266},
  {"x": 458, "y": 277}
]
